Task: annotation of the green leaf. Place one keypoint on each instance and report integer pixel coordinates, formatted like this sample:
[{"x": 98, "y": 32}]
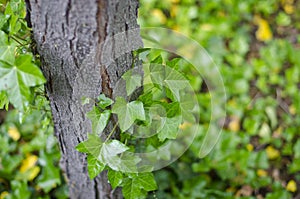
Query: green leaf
[
  {"x": 170, "y": 128},
  {"x": 104, "y": 101},
  {"x": 128, "y": 112},
  {"x": 111, "y": 149},
  {"x": 132, "y": 187},
  {"x": 7, "y": 50},
  {"x": 16, "y": 79},
  {"x": 115, "y": 178},
  {"x": 131, "y": 190},
  {"x": 175, "y": 81},
  {"x": 20, "y": 189},
  {"x": 133, "y": 81},
  {"x": 4, "y": 102},
  {"x": 50, "y": 176},
  {"x": 99, "y": 119},
  {"x": 94, "y": 166},
  {"x": 92, "y": 145},
  {"x": 85, "y": 100},
  {"x": 146, "y": 181}
]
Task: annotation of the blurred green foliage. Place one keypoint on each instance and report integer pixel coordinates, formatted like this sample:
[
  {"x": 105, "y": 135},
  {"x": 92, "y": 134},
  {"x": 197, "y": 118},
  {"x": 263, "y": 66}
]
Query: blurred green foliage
[{"x": 256, "y": 47}]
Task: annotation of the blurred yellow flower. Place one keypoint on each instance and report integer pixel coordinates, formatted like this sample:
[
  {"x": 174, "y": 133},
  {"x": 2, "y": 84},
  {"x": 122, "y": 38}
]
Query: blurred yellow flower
[
  {"x": 263, "y": 32},
  {"x": 250, "y": 147},
  {"x": 234, "y": 124},
  {"x": 261, "y": 173},
  {"x": 157, "y": 13},
  {"x": 14, "y": 133},
  {"x": 33, "y": 172},
  {"x": 272, "y": 153},
  {"x": 4, "y": 194},
  {"x": 291, "y": 186},
  {"x": 288, "y": 6},
  {"x": 28, "y": 163}
]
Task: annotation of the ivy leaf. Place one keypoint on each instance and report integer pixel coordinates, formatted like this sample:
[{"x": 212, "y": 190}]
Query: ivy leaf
[
  {"x": 104, "y": 101},
  {"x": 131, "y": 190},
  {"x": 170, "y": 128},
  {"x": 111, "y": 149},
  {"x": 133, "y": 81},
  {"x": 128, "y": 112},
  {"x": 99, "y": 119},
  {"x": 115, "y": 178},
  {"x": 128, "y": 162},
  {"x": 175, "y": 81},
  {"x": 7, "y": 50},
  {"x": 94, "y": 166},
  {"x": 146, "y": 181},
  {"x": 91, "y": 146},
  {"x": 16, "y": 79},
  {"x": 134, "y": 185}
]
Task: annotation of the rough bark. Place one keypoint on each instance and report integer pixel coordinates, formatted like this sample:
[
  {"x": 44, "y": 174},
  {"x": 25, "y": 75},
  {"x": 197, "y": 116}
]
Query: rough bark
[{"x": 68, "y": 34}]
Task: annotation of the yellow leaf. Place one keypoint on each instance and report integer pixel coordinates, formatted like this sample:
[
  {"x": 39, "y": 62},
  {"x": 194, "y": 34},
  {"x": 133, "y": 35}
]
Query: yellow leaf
[
  {"x": 288, "y": 6},
  {"x": 4, "y": 194},
  {"x": 291, "y": 186},
  {"x": 14, "y": 133},
  {"x": 272, "y": 153},
  {"x": 249, "y": 147},
  {"x": 173, "y": 10},
  {"x": 263, "y": 32},
  {"x": 234, "y": 124},
  {"x": 159, "y": 15},
  {"x": 206, "y": 27},
  {"x": 292, "y": 109},
  {"x": 261, "y": 173},
  {"x": 33, "y": 172},
  {"x": 28, "y": 163}
]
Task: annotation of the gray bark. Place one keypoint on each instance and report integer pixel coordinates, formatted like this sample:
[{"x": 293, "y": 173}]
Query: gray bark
[{"x": 68, "y": 34}]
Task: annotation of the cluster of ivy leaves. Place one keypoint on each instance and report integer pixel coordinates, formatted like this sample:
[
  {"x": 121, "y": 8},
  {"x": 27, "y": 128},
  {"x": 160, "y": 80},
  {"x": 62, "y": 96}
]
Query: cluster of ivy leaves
[
  {"x": 143, "y": 124},
  {"x": 256, "y": 46}
]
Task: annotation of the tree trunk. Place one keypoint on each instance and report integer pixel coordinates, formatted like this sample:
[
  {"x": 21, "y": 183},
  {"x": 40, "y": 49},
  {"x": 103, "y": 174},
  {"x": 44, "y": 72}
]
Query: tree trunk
[{"x": 69, "y": 35}]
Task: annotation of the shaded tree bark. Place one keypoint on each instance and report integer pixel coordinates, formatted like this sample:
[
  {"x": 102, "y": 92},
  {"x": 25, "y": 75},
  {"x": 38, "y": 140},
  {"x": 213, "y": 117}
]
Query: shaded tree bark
[{"x": 69, "y": 35}]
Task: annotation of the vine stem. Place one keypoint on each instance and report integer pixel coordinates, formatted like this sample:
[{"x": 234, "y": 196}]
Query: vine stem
[{"x": 111, "y": 132}]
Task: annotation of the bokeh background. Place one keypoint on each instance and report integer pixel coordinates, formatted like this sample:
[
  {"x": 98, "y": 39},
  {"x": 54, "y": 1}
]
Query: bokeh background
[{"x": 256, "y": 45}]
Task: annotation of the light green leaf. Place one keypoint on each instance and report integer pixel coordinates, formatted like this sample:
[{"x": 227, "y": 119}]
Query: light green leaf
[
  {"x": 128, "y": 112},
  {"x": 133, "y": 81},
  {"x": 4, "y": 102},
  {"x": 16, "y": 79},
  {"x": 170, "y": 128},
  {"x": 94, "y": 166},
  {"x": 7, "y": 50},
  {"x": 115, "y": 178},
  {"x": 175, "y": 81},
  {"x": 104, "y": 101},
  {"x": 99, "y": 119},
  {"x": 92, "y": 145},
  {"x": 111, "y": 149}
]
